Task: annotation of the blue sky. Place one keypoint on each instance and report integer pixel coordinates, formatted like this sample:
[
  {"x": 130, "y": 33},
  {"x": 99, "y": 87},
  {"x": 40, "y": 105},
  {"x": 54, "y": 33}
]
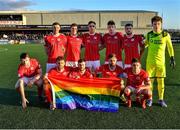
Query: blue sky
[{"x": 169, "y": 9}]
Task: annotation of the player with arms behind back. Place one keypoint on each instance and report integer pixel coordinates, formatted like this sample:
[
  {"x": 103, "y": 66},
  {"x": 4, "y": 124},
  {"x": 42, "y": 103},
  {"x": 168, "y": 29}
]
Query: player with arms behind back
[
  {"x": 133, "y": 45},
  {"x": 157, "y": 40},
  {"x": 74, "y": 43},
  {"x": 55, "y": 45},
  {"x": 92, "y": 42},
  {"x": 112, "y": 41}
]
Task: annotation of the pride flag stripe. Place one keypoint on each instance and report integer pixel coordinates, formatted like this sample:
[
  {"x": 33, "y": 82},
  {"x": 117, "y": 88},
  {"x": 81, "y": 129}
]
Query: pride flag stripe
[{"x": 88, "y": 94}]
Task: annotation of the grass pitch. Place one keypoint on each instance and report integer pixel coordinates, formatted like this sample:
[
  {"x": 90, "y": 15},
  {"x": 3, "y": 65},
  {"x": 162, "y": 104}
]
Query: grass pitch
[{"x": 37, "y": 115}]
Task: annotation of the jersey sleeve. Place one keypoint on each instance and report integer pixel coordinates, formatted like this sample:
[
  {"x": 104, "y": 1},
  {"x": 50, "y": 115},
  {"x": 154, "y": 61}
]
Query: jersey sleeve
[
  {"x": 146, "y": 78},
  {"x": 20, "y": 72},
  {"x": 140, "y": 40},
  {"x": 170, "y": 46},
  {"x": 88, "y": 74},
  {"x": 146, "y": 43},
  {"x": 38, "y": 67},
  {"x": 125, "y": 73},
  {"x": 83, "y": 39},
  {"x": 104, "y": 40},
  {"x": 123, "y": 42}
]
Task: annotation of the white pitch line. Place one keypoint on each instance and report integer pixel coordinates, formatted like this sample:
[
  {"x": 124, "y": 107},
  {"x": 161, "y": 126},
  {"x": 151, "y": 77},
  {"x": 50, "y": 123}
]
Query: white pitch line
[{"x": 3, "y": 49}]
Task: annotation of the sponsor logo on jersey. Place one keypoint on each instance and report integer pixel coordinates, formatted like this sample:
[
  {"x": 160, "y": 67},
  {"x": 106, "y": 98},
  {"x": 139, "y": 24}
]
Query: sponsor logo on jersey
[
  {"x": 32, "y": 68},
  {"x": 115, "y": 37}
]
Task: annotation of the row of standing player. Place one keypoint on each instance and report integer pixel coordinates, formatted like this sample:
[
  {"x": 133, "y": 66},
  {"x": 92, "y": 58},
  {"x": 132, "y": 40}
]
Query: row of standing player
[{"x": 70, "y": 46}]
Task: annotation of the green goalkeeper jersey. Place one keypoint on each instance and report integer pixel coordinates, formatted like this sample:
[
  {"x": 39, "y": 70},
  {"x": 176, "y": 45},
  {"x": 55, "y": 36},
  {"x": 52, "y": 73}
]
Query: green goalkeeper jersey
[{"x": 156, "y": 43}]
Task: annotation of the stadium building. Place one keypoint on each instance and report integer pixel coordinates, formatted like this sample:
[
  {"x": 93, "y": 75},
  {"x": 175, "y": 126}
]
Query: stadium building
[{"x": 16, "y": 23}]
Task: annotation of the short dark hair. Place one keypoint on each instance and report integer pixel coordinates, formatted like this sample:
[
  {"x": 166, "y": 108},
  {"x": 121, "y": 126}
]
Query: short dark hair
[
  {"x": 59, "y": 58},
  {"x": 23, "y": 55},
  {"x": 81, "y": 60},
  {"x": 111, "y": 56},
  {"x": 111, "y": 22},
  {"x": 56, "y": 23},
  {"x": 134, "y": 60},
  {"x": 74, "y": 24},
  {"x": 91, "y": 22},
  {"x": 128, "y": 24},
  {"x": 156, "y": 18}
]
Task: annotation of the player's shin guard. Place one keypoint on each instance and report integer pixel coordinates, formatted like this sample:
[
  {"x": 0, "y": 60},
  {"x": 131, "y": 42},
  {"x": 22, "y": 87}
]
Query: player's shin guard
[
  {"x": 160, "y": 82},
  {"x": 147, "y": 96},
  {"x": 127, "y": 94}
]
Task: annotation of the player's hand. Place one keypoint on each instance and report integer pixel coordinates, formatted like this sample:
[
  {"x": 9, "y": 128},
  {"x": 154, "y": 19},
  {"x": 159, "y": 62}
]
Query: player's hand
[
  {"x": 137, "y": 90},
  {"x": 172, "y": 62},
  {"x": 77, "y": 77},
  {"x": 24, "y": 103},
  {"x": 45, "y": 76}
]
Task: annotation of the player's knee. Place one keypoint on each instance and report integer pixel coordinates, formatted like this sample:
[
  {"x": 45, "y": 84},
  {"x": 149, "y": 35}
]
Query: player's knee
[
  {"x": 46, "y": 87},
  {"x": 45, "y": 81},
  {"x": 149, "y": 92},
  {"x": 127, "y": 91}
]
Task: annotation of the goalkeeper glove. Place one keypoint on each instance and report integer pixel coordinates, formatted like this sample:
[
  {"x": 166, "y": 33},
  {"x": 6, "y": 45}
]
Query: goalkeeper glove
[{"x": 172, "y": 62}]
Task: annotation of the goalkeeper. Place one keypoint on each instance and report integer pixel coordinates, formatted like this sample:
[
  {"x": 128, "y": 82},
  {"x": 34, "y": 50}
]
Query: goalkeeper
[{"x": 156, "y": 41}]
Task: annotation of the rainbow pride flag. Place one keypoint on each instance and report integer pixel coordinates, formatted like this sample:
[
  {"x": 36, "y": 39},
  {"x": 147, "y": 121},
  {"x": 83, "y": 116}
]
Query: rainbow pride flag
[{"x": 98, "y": 94}]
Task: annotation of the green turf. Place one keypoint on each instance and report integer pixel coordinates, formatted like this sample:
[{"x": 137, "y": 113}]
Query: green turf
[{"x": 37, "y": 115}]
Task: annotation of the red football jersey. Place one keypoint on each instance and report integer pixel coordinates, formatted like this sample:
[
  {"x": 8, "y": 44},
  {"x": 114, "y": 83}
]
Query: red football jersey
[
  {"x": 91, "y": 44},
  {"x": 136, "y": 80},
  {"x": 131, "y": 47},
  {"x": 113, "y": 44},
  {"x": 107, "y": 73},
  {"x": 73, "y": 48},
  {"x": 31, "y": 71},
  {"x": 55, "y": 72},
  {"x": 56, "y": 46},
  {"x": 76, "y": 74}
]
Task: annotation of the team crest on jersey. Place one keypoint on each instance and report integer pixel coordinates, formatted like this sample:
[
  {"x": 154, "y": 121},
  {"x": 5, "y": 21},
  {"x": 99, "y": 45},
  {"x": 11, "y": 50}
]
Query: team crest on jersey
[
  {"x": 132, "y": 39},
  {"x": 138, "y": 78},
  {"x": 58, "y": 39},
  {"x": 32, "y": 68},
  {"x": 107, "y": 72},
  {"x": 95, "y": 38},
  {"x": 151, "y": 40},
  {"x": 114, "y": 73}
]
